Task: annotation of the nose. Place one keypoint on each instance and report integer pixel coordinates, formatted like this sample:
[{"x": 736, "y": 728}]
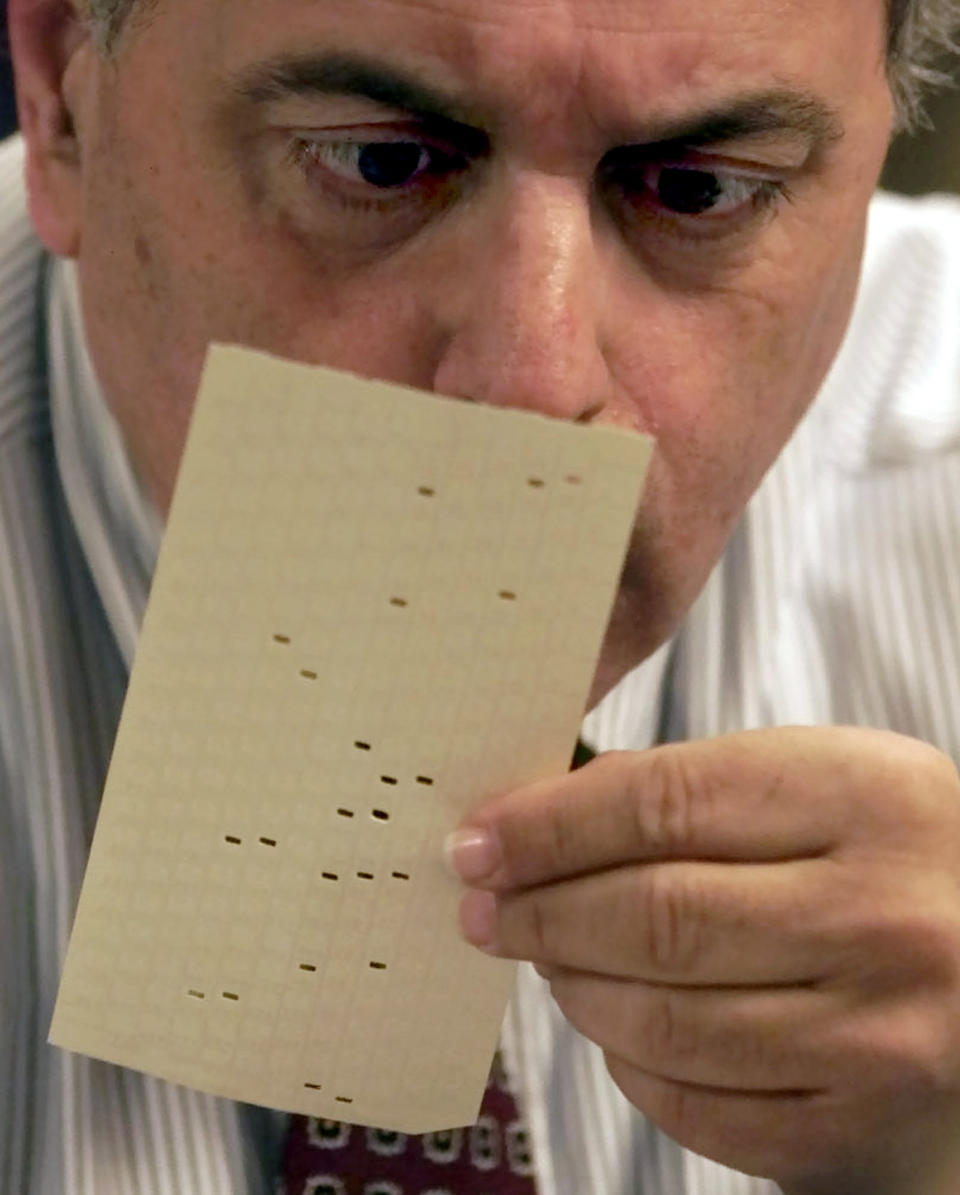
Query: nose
[{"x": 524, "y": 328}]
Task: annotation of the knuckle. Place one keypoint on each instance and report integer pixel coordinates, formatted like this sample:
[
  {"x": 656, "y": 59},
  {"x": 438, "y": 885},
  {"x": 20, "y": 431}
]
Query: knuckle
[
  {"x": 665, "y": 1035},
  {"x": 919, "y": 783},
  {"x": 561, "y": 843},
  {"x": 682, "y": 1110},
  {"x": 540, "y": 927},
  {"x": 930, "y": 949},
  {"x": 909, "y": 1058},
  {"x": 674, "y": 1033},
  {"x": 921, "y": 758},
  {"x": 913, "y": 945},
  {"x": 663, "y": 796},
  {"x": 670, "y": 913},
  {"x": 931, "y": 783}
]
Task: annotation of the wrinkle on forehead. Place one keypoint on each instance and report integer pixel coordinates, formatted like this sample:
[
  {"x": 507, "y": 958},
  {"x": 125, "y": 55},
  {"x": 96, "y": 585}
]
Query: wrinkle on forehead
[{"x": 571, "y": 67}]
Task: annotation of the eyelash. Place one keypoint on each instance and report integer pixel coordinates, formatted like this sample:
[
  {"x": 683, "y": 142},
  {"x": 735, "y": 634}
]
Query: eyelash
[
  {"x": 303, "y": 155},
  {"x": 772, "y": 194},
  {"x": 702, "y": 231},
  {"x": 640, "y": 194},
  {"x": 768, "y": 196}
]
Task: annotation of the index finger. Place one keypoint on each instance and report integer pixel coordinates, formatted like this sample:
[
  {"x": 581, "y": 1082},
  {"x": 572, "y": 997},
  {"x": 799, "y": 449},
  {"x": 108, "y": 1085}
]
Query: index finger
[{"x": 759, "y": 796}]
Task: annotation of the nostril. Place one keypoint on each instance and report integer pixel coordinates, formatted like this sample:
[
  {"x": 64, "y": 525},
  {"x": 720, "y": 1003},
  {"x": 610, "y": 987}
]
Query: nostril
[{"x": 591, "y": 413}]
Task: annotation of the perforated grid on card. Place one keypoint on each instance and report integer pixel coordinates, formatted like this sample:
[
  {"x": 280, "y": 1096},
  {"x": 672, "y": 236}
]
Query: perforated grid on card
[{"x": 373, "y": 608}]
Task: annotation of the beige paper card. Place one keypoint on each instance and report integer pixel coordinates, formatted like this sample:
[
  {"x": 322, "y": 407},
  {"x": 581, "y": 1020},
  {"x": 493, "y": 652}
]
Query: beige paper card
[{"x": 373, "y": 608}]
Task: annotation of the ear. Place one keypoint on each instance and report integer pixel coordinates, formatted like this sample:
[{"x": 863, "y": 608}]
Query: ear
[{"x": 55, "y": 65}]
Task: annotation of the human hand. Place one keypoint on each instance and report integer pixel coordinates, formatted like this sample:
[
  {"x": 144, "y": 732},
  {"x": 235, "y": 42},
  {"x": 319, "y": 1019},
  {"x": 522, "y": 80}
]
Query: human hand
[{"x": 762, "y": 932}]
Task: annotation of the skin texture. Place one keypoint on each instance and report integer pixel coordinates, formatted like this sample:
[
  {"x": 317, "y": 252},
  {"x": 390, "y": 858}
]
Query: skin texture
[
  {"x": 521, "y": 282},
  {"x": 763, "y": 934},
  {"x": 677, "y": 900}
]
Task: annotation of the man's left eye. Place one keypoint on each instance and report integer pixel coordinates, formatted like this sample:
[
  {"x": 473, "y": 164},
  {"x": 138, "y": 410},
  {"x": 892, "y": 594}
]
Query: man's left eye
[
  {"x": 699, "y": 191},
  {"x": 382, "y": 164}
]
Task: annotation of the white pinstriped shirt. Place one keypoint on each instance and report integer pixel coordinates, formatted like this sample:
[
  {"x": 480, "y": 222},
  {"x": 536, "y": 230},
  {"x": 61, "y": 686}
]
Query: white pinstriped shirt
[{"x": 838, "y": 600}]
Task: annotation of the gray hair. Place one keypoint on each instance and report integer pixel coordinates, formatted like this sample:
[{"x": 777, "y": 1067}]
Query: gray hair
[{"x": 920, "y": 33}]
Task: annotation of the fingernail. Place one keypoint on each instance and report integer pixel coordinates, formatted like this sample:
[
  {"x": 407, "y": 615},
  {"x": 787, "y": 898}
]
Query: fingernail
[
  {"x": 473, "y": 854},
  {"x": 478, "y": 919}
]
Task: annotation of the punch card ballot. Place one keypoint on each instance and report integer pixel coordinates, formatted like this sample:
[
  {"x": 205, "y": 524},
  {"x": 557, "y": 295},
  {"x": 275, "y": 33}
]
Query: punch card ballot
[{"x": 373, "y": 609}]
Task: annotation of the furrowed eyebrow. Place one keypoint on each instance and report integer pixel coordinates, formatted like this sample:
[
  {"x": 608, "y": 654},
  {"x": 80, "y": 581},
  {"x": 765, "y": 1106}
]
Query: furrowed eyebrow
[
  {"x": 781, "y": 111},
  {"x": 349, "y": 75},
  {"x": 785, "y": 112}
]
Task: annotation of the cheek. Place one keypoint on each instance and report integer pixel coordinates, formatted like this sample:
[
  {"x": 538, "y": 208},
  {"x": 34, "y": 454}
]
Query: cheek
[
  {"x": 169, "y": 264},
  {"x": 722, "y": 381},
  {"x": 228, "y": 271},
  {"x": 742, "y": 362}
]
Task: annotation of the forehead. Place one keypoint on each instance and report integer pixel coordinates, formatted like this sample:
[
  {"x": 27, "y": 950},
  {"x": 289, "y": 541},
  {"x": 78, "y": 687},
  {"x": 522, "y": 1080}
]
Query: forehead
[{"x": 607, "y": 58}]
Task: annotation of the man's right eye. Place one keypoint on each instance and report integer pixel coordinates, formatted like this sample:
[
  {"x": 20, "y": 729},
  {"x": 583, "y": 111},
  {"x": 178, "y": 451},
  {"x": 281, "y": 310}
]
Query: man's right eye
[{"x": 381, "y": 165}]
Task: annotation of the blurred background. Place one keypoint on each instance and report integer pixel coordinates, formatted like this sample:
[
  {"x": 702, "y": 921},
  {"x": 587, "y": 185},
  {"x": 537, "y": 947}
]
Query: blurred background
[
  {"x": 930, "y": 160},
  {"x": 927, "y": 161}
]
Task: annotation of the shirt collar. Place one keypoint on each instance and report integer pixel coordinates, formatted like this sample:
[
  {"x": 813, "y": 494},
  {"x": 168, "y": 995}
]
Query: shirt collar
[{"x": 117, "y": 523}]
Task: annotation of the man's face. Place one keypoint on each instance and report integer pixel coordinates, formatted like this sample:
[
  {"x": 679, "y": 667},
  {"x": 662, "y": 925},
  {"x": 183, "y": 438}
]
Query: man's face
[{"x": 647, "y": 212}]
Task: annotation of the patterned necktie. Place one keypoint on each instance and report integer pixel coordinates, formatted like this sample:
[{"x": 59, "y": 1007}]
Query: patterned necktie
[{"x": 325, "y": 1157}]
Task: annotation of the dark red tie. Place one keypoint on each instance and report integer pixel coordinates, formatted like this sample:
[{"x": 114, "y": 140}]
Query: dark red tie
[{"x": 325, "y": 1157}]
